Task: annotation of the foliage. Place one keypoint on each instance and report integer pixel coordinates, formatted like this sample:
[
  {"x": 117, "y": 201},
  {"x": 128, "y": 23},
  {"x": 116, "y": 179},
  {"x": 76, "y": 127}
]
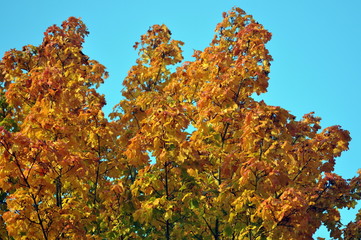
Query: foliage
[{"x": 188, "y": 152}]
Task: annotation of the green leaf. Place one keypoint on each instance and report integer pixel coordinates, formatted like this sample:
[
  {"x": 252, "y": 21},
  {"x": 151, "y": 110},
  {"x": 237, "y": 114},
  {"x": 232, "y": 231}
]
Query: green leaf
[
  {"x": 194, "y": 203},
  {"x": 228, "y": 230}
]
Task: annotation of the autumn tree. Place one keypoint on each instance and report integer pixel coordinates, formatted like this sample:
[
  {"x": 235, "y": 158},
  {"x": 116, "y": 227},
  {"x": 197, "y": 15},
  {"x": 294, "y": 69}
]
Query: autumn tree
[
  {"x": 188, "y": 153},
  {"x": 52, "y": 166}
]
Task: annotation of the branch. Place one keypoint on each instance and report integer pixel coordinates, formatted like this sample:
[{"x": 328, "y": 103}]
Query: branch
[
  {"x": 209, "y": 227},
  {"x": 36, "y": 206}
]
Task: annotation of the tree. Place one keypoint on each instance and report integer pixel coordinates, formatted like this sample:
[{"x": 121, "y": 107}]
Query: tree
[
  {"x": 52, "y": 166},
  {"x": 188, "y": 152}
]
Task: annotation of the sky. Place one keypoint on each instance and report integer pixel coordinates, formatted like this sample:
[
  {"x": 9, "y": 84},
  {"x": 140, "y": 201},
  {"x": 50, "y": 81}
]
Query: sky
[{"x": 316, "y": 46}]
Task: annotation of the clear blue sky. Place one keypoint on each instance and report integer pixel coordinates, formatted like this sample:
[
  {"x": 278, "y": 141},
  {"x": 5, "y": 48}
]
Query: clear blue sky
[{"x": 316, "y": 47}]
